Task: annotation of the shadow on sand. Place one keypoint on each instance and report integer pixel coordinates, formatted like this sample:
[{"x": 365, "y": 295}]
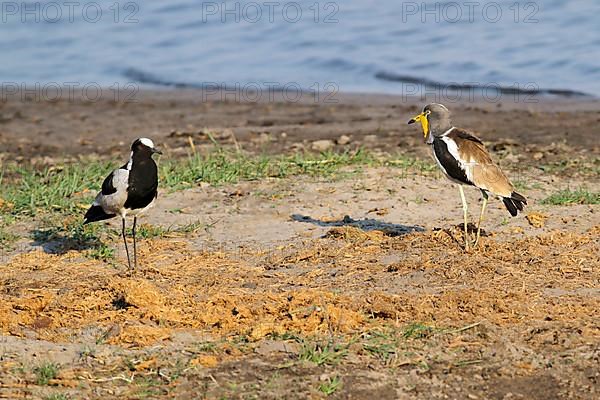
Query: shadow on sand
[
  {"x": 367, "y": 224},
  {"x": 59, "y": 241}
]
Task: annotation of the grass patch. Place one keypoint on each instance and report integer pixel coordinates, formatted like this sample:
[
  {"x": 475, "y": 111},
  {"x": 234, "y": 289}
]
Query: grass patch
[
  {"x": 330, "y": 386},
  {"x": 29, "y": 192},
  {"x": 45, "y": 372},
  {"x": 568, "y": 197},
  {"x": 69, "y": 189},
  {"x": 223, "y": 166}
]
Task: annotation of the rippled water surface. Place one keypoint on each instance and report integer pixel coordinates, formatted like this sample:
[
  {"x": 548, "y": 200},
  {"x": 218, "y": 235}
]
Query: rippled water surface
[{"x": 359, "y": 45}]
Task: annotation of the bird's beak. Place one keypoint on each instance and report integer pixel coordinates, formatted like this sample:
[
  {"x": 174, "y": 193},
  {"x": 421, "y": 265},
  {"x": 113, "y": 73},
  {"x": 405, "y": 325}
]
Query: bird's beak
[
  {"x": 156, "y": 151},
  {"x": 424, "y": 122}
]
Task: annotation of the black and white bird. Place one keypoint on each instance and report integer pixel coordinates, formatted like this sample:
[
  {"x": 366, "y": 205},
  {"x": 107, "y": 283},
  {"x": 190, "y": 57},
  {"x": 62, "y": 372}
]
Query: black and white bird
[
  {"x": 463, "y": 158},
  {"x": 128, "y": 191}
]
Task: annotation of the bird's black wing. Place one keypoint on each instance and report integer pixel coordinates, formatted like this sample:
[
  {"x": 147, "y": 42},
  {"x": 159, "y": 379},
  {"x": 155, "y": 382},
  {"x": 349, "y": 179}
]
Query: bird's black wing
[
  {"x": 451, "y": 165},
  {"x": 107, "y": 185}
]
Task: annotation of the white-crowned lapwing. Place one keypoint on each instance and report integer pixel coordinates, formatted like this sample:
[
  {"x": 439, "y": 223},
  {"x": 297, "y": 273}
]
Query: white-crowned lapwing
[
  {"x": 465, "y": 161},
  {"x": 129, "y": 190}
]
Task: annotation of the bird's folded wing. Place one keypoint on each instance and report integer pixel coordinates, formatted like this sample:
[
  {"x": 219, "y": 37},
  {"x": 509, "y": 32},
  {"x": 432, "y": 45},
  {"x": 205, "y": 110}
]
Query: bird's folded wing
[
  {"x": 479, "y": 166},
  {"x": 114, "y": 191}
]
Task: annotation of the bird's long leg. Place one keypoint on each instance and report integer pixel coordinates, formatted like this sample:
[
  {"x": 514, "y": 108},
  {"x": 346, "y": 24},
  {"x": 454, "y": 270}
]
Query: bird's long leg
[
  {"x": 485, "y": 200},
  {"x": 134, "y": 244},
  {"x": 465, "y": 214},
  {"x": 125, "y": 241}
]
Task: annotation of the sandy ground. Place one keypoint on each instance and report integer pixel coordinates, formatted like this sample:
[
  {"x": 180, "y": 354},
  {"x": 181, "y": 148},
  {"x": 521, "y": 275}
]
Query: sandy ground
[{"x": 295, "y": 286}]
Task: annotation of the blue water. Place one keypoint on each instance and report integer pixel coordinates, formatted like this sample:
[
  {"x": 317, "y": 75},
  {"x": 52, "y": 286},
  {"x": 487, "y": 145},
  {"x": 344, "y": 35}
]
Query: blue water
[{"x": 358, "y": 45}]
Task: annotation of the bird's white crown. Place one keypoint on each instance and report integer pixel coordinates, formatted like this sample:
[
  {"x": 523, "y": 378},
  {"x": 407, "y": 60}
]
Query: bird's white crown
[{"x": 147, "y": 142}]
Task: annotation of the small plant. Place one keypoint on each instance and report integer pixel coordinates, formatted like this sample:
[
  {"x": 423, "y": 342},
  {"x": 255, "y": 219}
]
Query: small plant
[
  {"x": 322, "y": 353},
  {"x": 102, "y": 252},
  {"x": 207, "y": 347},
  {"x": 148, "y": 231},
  {"x": 45, "y": 372},
  {"x": 331, "y": 386}
]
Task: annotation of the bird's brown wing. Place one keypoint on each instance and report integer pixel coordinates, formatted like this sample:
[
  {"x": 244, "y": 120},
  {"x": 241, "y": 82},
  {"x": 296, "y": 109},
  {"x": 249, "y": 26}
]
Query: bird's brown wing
[{"x": 480, "y": 168}]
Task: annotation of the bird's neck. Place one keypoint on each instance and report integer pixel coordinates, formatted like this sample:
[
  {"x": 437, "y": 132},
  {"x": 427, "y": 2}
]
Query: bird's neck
[
  {"x": 433, "y": 134},
  {"x": 440, "y": 130},
  {"x": 139, "y": 159}
]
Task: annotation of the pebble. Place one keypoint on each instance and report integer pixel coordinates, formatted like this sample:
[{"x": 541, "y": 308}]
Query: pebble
[
  {"x": 344, "y": 139},
  {"x": 322, "y": 145}
]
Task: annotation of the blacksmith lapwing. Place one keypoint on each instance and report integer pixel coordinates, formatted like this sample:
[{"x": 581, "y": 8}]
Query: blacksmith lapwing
[{"x": 128, "y": 191}]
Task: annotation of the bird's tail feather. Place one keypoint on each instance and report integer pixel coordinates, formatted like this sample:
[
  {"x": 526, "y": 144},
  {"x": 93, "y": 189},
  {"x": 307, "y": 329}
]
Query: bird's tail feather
[
  {"x": 514, "y": 203},
  {"x": 96, "y": 213}
]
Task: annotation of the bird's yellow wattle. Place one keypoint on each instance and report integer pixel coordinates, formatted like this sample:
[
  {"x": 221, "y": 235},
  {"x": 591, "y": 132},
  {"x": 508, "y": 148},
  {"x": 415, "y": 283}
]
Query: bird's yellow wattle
[{"x": 424, "y": 123}]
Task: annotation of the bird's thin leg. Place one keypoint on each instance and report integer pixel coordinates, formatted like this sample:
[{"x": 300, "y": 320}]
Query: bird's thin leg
[
  {"x": 134, "y": 244},
  {"x": 125, "y": 241},
  {"x": 465, "y": 214},
  {"x": 485, "y": 200}
]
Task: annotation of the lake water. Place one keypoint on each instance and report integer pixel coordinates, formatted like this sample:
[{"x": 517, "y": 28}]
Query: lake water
[{"x": 353, "y": 45}]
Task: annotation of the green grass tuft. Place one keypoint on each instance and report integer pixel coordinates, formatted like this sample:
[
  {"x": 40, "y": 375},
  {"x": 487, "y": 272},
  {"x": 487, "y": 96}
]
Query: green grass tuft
[
  {"x": 330, "y": 386},
  {"x": 568, "y": 197},
  {"x": 322, "y": 353},
  {"x": 45, "y": 372}
]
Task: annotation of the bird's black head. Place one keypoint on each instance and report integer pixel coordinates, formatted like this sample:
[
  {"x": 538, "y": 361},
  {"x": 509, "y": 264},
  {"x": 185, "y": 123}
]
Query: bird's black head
[{"x": 144, "y": 146}]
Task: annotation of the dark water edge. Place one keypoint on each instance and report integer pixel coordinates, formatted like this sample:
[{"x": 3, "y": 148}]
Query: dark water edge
[
  {"x": 431, "y": 84},
  {"x": 423, "y": 84}
]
